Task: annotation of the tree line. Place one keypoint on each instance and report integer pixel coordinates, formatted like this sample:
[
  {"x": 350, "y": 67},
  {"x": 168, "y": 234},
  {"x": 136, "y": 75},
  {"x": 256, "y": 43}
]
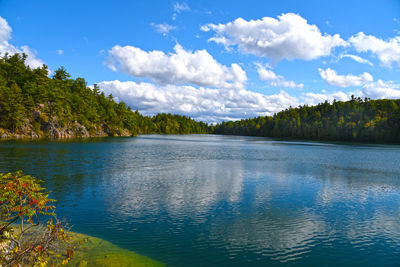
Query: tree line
[
  {"x": 30, "y": 96},
  {"x": 360, "y": 120}
]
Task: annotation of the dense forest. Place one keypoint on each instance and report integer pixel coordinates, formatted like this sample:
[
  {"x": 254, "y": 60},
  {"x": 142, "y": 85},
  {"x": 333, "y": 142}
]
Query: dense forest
[
  {"x": 361, "y": 120},
  {"x": 32, "y": 104}
]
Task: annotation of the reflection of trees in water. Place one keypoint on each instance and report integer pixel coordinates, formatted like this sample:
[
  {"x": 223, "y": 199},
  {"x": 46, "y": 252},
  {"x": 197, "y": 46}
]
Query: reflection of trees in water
[
  {"x": 277, "y": 200},
  {"x": 67, "y": 168}
]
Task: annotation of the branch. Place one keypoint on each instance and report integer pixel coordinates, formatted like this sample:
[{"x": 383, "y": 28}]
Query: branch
[{"x": 8, "y": 224}]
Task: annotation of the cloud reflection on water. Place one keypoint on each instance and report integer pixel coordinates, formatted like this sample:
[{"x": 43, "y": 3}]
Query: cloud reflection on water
[{"x": 260, "y": 200}]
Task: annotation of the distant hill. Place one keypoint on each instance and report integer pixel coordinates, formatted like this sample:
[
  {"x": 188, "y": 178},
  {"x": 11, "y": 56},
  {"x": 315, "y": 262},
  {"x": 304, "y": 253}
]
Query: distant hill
[
  {"x": 361, "y": 120},
  {"x": 36, "y": 106}
]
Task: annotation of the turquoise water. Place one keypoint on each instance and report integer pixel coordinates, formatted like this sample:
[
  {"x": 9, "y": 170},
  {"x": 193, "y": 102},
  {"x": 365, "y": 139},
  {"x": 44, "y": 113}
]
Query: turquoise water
[{"x": 206, "y": 200}]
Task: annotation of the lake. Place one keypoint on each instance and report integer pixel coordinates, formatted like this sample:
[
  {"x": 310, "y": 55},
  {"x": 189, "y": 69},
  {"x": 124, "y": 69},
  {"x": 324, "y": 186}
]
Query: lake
[{"x": 208, "y": 200}]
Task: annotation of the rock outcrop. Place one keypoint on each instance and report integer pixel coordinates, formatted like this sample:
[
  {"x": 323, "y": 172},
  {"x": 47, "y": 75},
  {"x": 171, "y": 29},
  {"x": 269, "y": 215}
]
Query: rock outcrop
[{"x": 35, "y": 128}]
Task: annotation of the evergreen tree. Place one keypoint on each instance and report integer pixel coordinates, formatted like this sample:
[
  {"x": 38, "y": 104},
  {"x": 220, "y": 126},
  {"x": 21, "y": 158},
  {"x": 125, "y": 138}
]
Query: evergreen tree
[{"x": 30, "y": 96}]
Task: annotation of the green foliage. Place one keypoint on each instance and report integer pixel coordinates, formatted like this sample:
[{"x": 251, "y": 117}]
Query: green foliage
[
  {"x": 171, "y": 124},
  {"x": 29, "y": 96},
  {"x": 355, "y": 120}
]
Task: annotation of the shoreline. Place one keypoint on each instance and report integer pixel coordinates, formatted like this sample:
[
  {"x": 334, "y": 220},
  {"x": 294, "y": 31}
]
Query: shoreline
[
  {"x": 94, "y": 251},
  {"x": 99, "y": 252},
  {"x": 26, "y": 138}
]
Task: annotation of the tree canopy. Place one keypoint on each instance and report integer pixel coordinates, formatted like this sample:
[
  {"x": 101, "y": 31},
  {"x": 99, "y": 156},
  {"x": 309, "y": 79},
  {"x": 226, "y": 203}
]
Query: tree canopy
[
  {"x": 363, "y": 120},
  {"x": 33, "y": 103},
  {"x": 30, "y": 101}
]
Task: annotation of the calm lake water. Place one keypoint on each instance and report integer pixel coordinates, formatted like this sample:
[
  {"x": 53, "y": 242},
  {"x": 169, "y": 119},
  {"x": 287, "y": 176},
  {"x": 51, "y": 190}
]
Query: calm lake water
[{"x": 206, "y": 200}]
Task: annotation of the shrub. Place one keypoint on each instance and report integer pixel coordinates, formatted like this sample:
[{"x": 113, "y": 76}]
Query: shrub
[{"x": 30, "y": 233}]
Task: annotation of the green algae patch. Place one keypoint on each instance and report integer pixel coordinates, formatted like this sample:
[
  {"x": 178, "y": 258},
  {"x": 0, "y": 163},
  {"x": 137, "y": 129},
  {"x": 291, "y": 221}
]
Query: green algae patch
[{"x": 92, "y": 251}]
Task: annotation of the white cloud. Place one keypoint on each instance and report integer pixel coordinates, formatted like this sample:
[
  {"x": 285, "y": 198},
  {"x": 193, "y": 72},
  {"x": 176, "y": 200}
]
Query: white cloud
[
  {"x": 275, "y": 80},
  {"x": 316, "y": 98},
  {"x": 373, "y": 90},
  {"x": 181, "y": 67},
  {"x": 288, "y": 37},
  {"x": 163, "y": 28},
  {"x": 205, "y": 104},
  {"x": 5, "y": 31},
  {"x": 60, "y": 52},
  {"x": 331, "y": 77},
  {"x": 215, "y": 105},
  {"x": 388, "y": 52},
  {"x": 356, "y": 58},
  {"x": 6, "y": 47},
  {"x": 178, "y": 8},
  {"x": 379, "y": 90}
]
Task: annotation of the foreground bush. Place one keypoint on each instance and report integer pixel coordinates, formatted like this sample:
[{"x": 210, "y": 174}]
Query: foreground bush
[{"x": 30, "y": 233}]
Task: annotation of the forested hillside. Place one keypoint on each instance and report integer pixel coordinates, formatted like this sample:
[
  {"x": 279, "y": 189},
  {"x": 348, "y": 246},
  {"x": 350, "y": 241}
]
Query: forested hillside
[
  {"x": 355, "y": 120},
  {"x": 34, "y": 105}
]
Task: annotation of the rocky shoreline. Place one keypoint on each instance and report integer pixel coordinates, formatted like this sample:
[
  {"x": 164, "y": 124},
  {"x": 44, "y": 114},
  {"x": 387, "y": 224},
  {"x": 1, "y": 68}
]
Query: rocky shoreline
[{"x": 54, "y": 130}]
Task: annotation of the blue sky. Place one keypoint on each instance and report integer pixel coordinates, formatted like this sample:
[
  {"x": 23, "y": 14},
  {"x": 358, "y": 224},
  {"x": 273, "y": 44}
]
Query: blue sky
[{"x": 214, "y": 60}]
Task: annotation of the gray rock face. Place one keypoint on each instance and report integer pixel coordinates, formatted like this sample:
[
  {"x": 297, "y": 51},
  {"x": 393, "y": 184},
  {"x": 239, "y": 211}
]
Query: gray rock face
[
  {"x": 34, "y": 135},
  {"x": 80, "y": 130},
  {"x": 54, "y": 133},
  {"x": 53, "y": 129},
  {"x": 26, "y": 127}
]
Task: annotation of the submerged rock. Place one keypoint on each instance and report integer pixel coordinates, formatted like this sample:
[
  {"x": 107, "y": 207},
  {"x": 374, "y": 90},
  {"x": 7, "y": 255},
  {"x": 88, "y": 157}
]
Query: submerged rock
[{"x": 98, "y": 252}]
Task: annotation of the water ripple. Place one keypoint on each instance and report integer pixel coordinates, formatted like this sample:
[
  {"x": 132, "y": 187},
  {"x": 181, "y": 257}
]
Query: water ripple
[{"x": 226, "y": 201}]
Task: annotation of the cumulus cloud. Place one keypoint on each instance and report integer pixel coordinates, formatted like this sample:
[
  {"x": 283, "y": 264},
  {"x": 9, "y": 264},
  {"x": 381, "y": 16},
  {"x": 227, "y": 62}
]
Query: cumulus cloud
[
  {"x": 373, "y": 90},
  {"x": 388, "y": 52},
  {"x": 288, "y": 37},
  {"x": 181, "y": 67},
  {"x": 5, "y": 30},
  {"x": 379, "y": 90},
  {"x": 275, "y": 80},
  {"x": 215, "y": 105},
  {"x": 205, "y": 104},
  {"x": 6, "y": 47},
  {"x": 356, "y": 58},
  {"x": 331, "y": 77},
  {"x": 163, "y": 28},
  {"x": 316, "y": 98},
  {"x": 60, "y": 52}
]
